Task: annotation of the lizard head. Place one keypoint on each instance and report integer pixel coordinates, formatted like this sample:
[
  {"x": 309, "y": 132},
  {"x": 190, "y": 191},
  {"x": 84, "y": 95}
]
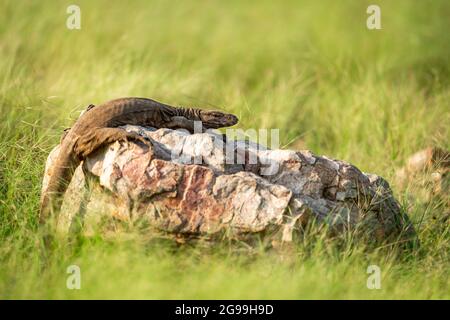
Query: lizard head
[{"x": 215, "y": 119}]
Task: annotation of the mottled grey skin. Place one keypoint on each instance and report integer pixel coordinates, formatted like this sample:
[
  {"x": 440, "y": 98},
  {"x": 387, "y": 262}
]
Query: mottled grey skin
[{"x": 98, "y": 126}]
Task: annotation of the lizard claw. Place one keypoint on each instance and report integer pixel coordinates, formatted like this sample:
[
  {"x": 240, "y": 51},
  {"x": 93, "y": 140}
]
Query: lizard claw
[{"x": 133, "y": 136}]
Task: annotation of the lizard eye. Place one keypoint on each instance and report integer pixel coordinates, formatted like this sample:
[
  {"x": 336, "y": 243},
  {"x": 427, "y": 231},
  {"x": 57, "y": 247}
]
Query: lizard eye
[{"x": 216, "y": 114}]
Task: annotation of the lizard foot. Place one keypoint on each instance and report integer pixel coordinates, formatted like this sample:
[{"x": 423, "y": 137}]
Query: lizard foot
[
  {"x": 99, "y": 137},
  {"x": 133, "y": 136}
]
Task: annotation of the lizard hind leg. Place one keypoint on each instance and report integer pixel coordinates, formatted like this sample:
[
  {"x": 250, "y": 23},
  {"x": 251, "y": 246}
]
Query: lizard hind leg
[{"x": 100, "y": 137}]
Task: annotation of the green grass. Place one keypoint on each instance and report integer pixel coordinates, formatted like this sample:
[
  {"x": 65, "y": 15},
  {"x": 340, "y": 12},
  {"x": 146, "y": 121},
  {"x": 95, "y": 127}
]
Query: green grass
[{"x": 310, "y": 68}]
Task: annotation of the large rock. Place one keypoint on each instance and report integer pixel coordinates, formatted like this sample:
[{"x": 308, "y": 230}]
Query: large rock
[{"x": 198, "y": 185}]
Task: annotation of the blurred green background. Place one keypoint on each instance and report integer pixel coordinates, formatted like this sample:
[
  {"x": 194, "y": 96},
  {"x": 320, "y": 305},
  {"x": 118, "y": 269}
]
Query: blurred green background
[{"x": 310, "y": 68}]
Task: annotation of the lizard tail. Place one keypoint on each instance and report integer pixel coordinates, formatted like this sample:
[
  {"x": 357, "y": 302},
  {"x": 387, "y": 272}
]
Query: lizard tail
[{"x": 60, "y": 178}]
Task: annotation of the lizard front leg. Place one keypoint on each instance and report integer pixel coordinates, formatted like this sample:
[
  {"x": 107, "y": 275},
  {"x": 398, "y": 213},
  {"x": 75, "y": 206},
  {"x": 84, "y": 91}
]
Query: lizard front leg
[
  {"x": 99, "y": 137},
  {"x": 180, "y": 122}
]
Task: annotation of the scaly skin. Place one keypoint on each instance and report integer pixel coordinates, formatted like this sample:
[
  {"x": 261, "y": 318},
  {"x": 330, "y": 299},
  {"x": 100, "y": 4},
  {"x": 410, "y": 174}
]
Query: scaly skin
[{"x": 98, "y": 126}]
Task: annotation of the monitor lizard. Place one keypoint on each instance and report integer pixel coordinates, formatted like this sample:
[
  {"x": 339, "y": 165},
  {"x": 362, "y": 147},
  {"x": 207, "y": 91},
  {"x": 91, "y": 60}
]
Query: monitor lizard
[{"x": 99, "y": 126}]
